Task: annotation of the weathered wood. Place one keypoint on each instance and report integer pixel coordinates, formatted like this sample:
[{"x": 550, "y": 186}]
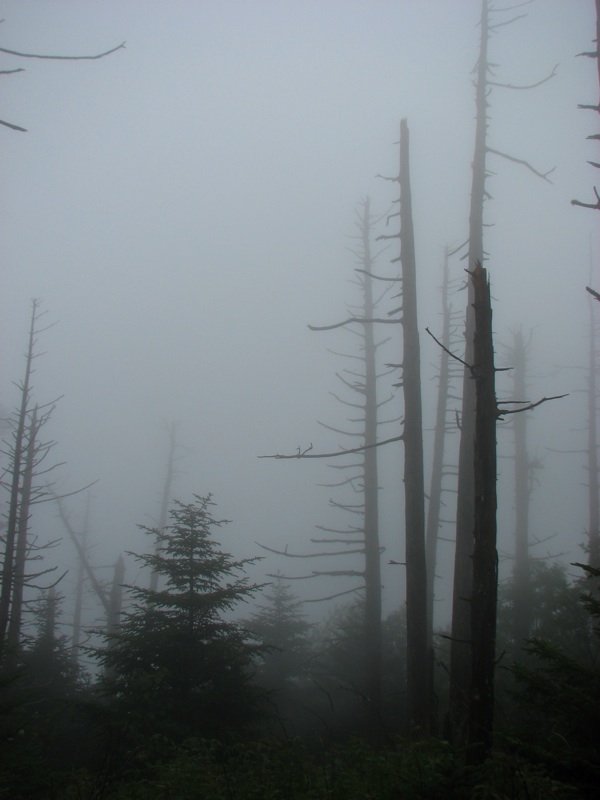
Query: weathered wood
[
  {"x": 485, "y": 554},
  {"x": 418, "y": 647}
]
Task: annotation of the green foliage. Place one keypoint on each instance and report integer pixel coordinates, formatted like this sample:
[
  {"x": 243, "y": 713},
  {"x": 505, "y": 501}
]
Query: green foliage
[
  {"x": 282, "y": 628},
  {"x": 42, "y": 725},
  {"x": 557, "y": 614},
  {"x": 559, "y": 699},
  {"x": 177, "y": 667},
  {"x": 293, "y": 770}
]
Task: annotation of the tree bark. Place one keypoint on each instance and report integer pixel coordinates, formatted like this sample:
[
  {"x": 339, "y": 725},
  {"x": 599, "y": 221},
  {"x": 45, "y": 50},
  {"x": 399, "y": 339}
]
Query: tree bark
[
  {"x": 16, "y": 469},
  {"x": 418, "y": 647},
  {"x": 522, "y": 568},
  {"x": 485, "y": 555},
  {"x": 593, "y": 489},
  {"x": 460, "y": 655},
  {"x": 166, "y": 497},
  {"x": 371, "y": 497},
  {"x": 14, "y": 626}
]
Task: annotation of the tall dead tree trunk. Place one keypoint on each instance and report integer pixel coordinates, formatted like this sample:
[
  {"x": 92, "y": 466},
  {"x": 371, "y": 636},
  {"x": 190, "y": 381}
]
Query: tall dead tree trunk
[
  {"x": 593, "y": 488},
  {"x": 371, "y": 495},
  {"x": 17, "y": 456},
  {"x": 523, "y": 467},
  {"x": 14, "y": 626},
  {"x": 363, "y": 481},
  {"x": 116, "y": 597},
  {"x": 418, "y": 646},
  {"x": 76, "y": 636},
  {"x": 437, "y": 464},
  {"x": 485, "y": 555},
  {"x": 593, "y": 107},
  {"x": 460, "y": 655},
  {"x": 166, "y": 496}
]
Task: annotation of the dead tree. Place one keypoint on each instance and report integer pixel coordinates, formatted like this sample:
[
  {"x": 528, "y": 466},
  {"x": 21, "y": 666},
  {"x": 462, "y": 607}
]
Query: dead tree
[
  {"x": 99, "y": 590},
  {"x": 443, "y": 426},
  {"x": 460, "y": 657},
  {"x": 166, "y": 495},
  {"x": 25, "y": 455},
  {"x": 361, "y": 538},
  {"x": 83, "y": 538},
  {"x": 14, "y": 626},
  {"x": 592, "y": 448},
  {"x": 595, "y": 136},
  {"x": 419, "y": 660},
  {"x": 485, "y": 554},
  {"x": 524, "y": 469}
]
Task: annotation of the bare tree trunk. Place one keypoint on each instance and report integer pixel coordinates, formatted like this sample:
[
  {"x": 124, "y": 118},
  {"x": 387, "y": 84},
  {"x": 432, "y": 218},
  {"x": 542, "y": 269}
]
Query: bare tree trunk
[
  {"x": 166, "y": 497},
  {"x": 437, "y": 465},
  {"x": 16, "y": 469},
  {"x": 116, "y": 597},
  {"x": 485, "y": 555},
  {"x": 84, "y": 561},
  {"x": 522, "y": 566},
  {"x": 460, "y": 655},
  {"x": 418, "y": 647},
  {"x": 437, "y": 476},
  {"x": 593, "y": 489},
  {"x": 76, "y": 638},
  {"x": 14, "y": 626},
  {"x": 371, "y": 495}
]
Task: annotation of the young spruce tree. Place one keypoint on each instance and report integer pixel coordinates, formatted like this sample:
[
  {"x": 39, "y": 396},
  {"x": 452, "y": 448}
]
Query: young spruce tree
[{"x": 176, "y": 667}]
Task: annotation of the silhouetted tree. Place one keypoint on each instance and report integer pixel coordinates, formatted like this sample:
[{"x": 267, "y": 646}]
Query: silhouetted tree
[
  {"x": 363, "y": 481},
  {"x": 25, "y": 454},
  {"x": 419, "y": 648},
  {"x": 460, "y": 656},
  {"x": 594, "y": 136},
  {"x": 177, "y": 666}
]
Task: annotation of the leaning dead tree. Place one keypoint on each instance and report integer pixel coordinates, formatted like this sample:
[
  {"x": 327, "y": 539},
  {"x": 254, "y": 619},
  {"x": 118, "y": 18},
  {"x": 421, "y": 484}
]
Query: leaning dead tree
[
  {"x": 460, "y": 656},
  {"x": 359, "y": 475},
  {"x": 21, "y": 55},
  {"x": 595, "y": 107}
]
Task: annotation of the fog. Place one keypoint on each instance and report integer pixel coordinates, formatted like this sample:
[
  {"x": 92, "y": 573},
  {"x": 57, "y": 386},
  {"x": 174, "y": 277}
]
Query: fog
[{"x": 184, "y": 207}]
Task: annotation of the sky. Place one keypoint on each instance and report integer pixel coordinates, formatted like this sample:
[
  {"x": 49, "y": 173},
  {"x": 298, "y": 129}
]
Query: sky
[{"x": 184, "y": 209}]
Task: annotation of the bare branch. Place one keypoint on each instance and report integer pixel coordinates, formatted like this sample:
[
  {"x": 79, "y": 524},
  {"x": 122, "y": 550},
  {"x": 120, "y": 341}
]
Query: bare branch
[
  {"x": 306, "y": 454},
  {"x": 333, "y": 596},
  {"x": 62, "y": 58},
  {"x": 502, "y": 411},
  {"x": 588, "y": 205},
  {"x": 450, "y": 353},
  {"x": 529, "y": 86},
  {"x": 526, "y": 164},
  {"x": 12, "y": 127},
  {"x": 594, "y": 294},
  {"x": 306, "y": 555},
  {"x": 360, "y": 320}
]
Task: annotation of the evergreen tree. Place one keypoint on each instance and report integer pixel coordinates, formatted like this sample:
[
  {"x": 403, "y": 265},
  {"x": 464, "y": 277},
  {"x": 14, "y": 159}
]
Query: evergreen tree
[
  {"x": 177, "y": 667},
  {"x": 282, "y": 628},
  {"x": 559, "y": 697}
]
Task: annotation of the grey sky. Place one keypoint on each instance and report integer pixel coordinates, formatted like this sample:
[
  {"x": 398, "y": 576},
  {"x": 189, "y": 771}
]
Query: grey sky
[{"x": 183, "y": 208}]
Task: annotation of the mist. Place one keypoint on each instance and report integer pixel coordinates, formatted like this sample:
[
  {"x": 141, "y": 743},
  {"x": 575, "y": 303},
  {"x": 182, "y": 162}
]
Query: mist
[{"x": 184, "y": 210}]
